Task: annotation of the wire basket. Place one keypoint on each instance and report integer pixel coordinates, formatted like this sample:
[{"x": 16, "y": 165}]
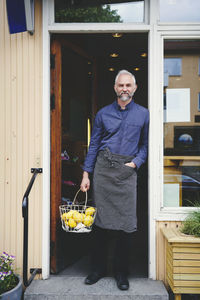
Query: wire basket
[{"x": 77, "y": 218}]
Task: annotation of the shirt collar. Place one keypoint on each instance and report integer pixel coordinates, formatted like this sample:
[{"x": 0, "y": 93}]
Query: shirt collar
[{"x": 127, "y": 107}]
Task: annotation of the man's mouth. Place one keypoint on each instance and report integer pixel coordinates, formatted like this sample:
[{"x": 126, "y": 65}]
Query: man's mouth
[{"x": 124, "y": 96}]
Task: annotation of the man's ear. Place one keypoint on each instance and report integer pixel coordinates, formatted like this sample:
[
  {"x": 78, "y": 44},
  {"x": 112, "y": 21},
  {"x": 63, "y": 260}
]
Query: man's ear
[
  {"x": 135, "y": 88},
  {"x": 115, "y": 88}
]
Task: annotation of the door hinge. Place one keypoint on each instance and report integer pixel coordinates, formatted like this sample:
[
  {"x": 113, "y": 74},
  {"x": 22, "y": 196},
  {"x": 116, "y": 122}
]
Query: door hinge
[
  {"x": 37, "y": 271},
  {"x": 52, "y": 61},
  {"x": 52, "y": 101}
]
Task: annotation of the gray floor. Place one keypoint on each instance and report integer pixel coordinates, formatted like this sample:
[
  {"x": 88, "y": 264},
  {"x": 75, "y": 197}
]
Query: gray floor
[{"x": 138, "y": 269}]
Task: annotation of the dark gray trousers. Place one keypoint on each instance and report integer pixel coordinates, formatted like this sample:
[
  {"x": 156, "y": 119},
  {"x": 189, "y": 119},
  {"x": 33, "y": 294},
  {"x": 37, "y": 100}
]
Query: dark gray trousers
[{"x": 121, "y": 242}]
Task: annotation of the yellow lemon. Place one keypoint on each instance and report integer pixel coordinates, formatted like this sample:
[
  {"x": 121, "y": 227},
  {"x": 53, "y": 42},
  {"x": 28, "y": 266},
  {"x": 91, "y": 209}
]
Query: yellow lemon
[
  {"x": 88, "y": 221},
  {"x": 64, "y": 216},
  {"x": 83, "y": 217},
  {"x": 69, "y": 214},
  {"x": 71, "y": 223},
  {"x": 90, "y": 211},
  {"x": 77, "y": 217}
]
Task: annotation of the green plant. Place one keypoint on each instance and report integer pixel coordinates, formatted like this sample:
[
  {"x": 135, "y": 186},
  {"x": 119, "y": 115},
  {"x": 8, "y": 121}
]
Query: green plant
[
  {"x": 8, "y": 279},
  {"x": 191, "y": 225}
]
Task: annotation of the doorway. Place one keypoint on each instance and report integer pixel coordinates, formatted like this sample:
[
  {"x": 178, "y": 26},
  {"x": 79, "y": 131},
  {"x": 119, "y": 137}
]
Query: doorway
[{"x": 83, "y": 70}]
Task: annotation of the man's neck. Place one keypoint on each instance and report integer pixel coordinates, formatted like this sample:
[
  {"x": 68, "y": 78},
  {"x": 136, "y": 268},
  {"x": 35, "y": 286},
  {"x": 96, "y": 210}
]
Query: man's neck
[{"x": 123, "y": 104}]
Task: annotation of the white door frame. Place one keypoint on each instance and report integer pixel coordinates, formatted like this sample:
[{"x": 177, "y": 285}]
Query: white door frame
[{"x": 153, "y": 95}]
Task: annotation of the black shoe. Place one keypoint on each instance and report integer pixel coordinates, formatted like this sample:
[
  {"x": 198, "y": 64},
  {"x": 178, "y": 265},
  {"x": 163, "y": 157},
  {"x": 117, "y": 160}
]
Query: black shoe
[
  {"x": 122, "y": 281},
  {"x": 93, "y": 278}
]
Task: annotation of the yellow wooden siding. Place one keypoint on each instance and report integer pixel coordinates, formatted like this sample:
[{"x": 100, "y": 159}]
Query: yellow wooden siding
[
  {"x": 20, "y": 136},
  {"x": 160, "y": 248}
]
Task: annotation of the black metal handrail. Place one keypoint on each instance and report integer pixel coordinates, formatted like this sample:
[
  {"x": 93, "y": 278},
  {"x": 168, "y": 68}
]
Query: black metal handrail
[{"x": 27, "y": 281}]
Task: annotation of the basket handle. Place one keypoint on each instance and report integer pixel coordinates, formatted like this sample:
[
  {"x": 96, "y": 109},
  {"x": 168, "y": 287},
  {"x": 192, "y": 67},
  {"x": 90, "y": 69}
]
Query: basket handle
[{"x": 76, "y": 197}]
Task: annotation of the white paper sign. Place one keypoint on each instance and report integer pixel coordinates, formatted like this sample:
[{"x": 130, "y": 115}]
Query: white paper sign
[
  {"x": 177, "y": 105},
  {"x": 171, "y": 195}
]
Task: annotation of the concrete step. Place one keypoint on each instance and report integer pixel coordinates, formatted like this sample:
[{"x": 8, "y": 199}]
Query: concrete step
[{"x": 73, "y": 288}]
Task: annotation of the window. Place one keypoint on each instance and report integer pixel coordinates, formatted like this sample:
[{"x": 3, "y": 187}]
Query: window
[
  {"x": 181, "y": 132},
  {"x": 173, "y": 66},
  {"x": 199, "y": 66},
  {"x": 179, "y": 10},
  {"x": 199, "y": 102},
  {"x": 98, "y": 11}
]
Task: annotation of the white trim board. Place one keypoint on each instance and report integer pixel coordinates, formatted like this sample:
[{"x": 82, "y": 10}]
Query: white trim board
[{"x": 46, "y": 146}]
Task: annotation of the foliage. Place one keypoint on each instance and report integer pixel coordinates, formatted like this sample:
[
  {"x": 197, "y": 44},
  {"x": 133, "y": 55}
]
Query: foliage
[
  {"x": 96, "y": 14},
  {"x": 191, "y": 225},
  {"x": 8, "y": 280}
]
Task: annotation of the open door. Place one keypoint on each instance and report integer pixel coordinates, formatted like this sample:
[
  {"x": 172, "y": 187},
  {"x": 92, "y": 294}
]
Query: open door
[
  {"x": 72, "y": 105},
  {"x": 76, "y": 60},
  {"x": 55, "y": 152}
]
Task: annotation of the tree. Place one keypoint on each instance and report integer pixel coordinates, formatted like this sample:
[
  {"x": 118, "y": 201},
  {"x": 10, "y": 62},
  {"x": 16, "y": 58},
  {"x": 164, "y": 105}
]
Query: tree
[{"x": 97, "y": 14}]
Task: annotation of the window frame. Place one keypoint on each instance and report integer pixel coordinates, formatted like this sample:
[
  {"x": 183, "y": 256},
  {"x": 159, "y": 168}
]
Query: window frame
[{"x": 169, "y": 213}]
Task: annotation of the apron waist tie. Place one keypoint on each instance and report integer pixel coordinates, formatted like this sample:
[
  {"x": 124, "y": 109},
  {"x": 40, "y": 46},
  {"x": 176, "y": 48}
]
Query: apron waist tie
[{"x": 112, "y": 158}]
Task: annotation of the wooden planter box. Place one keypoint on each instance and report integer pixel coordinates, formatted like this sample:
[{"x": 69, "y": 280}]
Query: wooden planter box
[{"x": 182, "y": 262}]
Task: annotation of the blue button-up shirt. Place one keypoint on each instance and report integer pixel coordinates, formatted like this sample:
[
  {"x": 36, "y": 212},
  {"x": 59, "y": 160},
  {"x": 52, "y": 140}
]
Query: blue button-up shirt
[{"x": 124, "y": 132}]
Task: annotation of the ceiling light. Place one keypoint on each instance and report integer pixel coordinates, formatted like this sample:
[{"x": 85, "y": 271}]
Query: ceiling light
[
  {"x": 89, "y": 62},
  {"x": 144, "y": 54},
  {"x": 89, "y": 73},
  {"x": 111, "y": 69},
  {"x": 136, "y": 69},
  {"x": 117, "y": 35},
  {"x": 114, "y": 55}
]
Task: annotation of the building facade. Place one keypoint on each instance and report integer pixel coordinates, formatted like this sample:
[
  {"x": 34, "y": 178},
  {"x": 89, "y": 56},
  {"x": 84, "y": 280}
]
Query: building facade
[{"x": 39, "y": 109}]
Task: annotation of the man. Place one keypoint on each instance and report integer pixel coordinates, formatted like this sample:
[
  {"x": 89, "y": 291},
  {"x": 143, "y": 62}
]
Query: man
[{"x": 118, "y": 147}]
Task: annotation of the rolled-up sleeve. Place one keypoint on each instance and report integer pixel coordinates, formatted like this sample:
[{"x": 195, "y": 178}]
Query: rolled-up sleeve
[
  {"x": 95, "y": 142},
  {"x": 143, "y": 144}
]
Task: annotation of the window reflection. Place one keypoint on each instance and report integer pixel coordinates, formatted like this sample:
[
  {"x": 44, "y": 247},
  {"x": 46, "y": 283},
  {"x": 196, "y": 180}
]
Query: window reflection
[
  {"x": 179, "y": 10},
  {"x": 173, "y": 66},
  {"x": 199, "y": 66},
  {"x": 98, "y": 11},
  {"x": 199, "y": 102},
  {"x": 181, "y": 123},
  {"x": 130, "y": 12}
]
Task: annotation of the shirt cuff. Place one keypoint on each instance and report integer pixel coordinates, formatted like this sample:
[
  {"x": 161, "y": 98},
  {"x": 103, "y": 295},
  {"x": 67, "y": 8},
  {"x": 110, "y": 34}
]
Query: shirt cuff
[
  {"x": 87, "y": 169},
  {"x": 137, "y": 162}
]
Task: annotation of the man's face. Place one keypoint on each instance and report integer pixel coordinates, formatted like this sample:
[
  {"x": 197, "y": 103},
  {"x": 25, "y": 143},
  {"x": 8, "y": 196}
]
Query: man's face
[{"x": 125, "y": 87}]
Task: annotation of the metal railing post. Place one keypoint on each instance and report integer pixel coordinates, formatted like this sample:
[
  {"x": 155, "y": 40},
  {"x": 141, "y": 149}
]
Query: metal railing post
[{"x": 25, "y": 239}]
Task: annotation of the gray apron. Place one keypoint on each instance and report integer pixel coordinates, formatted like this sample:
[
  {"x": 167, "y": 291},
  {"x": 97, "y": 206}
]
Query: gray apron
[{"x": 115, "y": 192}]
